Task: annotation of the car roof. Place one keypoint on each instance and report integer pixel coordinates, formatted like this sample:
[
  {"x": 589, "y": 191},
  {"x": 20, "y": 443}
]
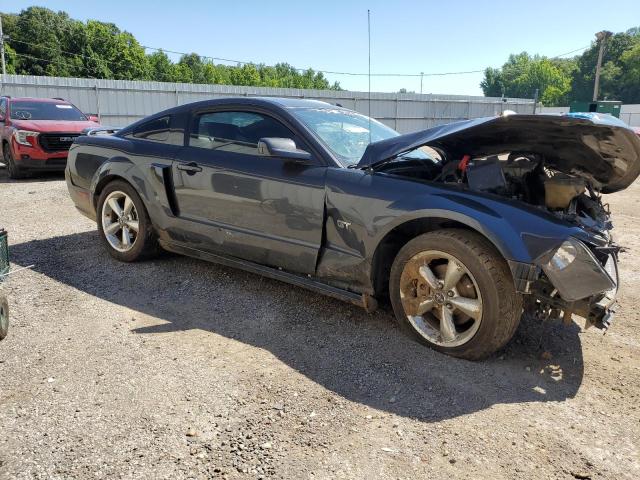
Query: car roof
[
  {"x": 36, "y": 99},
  {"x": 278, "y": 102},
  {"x": 296, "y": 102}
]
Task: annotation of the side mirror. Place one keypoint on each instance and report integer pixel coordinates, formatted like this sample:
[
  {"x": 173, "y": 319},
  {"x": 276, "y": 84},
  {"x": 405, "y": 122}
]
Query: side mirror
[
  {"x": 92, "y": 117},
  {"x": 282, "y": 148}
]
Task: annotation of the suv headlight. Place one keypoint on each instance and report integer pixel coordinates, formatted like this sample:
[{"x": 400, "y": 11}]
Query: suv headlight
[
  {"x": 576, "y": 272},
  {"x": 26, "y": 137}
]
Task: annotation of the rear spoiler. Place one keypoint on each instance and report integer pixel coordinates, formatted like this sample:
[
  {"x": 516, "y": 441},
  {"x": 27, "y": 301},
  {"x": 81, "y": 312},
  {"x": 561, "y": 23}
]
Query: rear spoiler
[{"x": 99, "y": 131}]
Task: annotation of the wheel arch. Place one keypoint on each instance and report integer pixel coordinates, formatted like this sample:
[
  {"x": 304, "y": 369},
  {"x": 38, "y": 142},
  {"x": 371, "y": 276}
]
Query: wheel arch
[
  {"x": 393, "y": 240},
  {"x": 116, "y": 168}
]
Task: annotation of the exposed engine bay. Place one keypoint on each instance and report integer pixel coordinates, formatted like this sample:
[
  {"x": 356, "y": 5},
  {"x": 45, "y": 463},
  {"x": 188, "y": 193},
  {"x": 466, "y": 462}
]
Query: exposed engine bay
[{"x": 519, "y": 176}]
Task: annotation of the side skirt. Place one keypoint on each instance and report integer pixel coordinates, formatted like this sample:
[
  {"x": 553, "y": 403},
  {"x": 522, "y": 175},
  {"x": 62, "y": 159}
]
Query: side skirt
[{"x": 362, "y": 300}]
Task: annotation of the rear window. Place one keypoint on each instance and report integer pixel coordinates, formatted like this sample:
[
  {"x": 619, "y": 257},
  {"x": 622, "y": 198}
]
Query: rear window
[{"x": 45, "y": 111}]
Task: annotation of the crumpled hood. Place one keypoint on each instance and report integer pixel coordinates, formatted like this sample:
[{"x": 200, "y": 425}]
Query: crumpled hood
[{"x": 599, "y": 147}]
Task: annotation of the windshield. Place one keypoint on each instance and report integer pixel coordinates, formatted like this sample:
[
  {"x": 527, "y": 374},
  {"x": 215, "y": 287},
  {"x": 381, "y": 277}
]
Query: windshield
[
  {"x": 45, "y": 111},
  {"x": 343, "y": 132}
]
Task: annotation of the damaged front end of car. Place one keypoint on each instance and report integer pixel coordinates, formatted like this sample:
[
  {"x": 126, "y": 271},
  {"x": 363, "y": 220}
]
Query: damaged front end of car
[
  {"x": 558, "y": 165},
  {"x": 574, "y": 279}
]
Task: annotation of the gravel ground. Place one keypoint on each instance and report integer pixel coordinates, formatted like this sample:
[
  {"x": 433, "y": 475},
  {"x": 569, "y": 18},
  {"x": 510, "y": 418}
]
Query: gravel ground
[{"x": 176, "y": 368}]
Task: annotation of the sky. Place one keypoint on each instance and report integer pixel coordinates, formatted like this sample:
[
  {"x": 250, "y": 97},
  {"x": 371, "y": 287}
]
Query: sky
[{"x": 407, "y": 36}]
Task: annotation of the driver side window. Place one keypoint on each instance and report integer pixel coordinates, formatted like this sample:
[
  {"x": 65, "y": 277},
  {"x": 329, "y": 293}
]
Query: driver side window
[{"x": 235, "y": 131}]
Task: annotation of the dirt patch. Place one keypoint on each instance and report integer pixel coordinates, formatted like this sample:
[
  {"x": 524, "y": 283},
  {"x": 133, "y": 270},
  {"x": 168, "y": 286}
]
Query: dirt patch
[{"x": 176, "y": 368}]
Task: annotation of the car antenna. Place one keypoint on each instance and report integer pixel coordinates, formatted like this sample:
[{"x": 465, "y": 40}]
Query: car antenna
[{"x": 369, "y": 98}]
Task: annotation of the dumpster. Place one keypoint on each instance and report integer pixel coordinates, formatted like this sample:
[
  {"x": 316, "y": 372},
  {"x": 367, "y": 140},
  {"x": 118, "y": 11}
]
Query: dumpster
[{"x": 612, "y": 107}]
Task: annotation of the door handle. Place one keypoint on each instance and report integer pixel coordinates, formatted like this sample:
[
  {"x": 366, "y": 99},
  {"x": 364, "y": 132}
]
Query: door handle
[{"x": 191, "y": 168}]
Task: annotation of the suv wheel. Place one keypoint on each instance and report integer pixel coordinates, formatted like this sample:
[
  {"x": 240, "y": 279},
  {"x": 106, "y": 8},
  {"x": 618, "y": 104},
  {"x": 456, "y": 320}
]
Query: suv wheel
[
  {"x": 452, "y": 291},
  {"x": 12, "y": 169},
  {"x": 123, "y": 223}
]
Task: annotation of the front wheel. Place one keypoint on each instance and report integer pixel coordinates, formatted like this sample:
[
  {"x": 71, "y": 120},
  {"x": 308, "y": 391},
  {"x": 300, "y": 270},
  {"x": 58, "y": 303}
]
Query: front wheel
[
  {"x": 451, "y": 290},
  {"x": 124, "y": 224},
  {"x": 12, "y": 169}
]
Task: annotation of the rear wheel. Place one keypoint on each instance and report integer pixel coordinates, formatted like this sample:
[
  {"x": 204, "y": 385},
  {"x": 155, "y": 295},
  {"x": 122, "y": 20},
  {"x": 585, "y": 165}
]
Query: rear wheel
[
  {"x": 123, "y": 223},
  {"x": 12, "y": 169},
  {"x": 452, "y": 291}
]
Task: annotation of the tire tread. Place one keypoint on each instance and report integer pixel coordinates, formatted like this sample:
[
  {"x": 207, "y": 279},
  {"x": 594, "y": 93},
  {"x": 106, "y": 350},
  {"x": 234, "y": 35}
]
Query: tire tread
[{"x": 510, "y": 306}]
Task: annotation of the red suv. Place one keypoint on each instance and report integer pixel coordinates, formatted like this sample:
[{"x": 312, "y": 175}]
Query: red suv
[{"x": 36, "y": 133}]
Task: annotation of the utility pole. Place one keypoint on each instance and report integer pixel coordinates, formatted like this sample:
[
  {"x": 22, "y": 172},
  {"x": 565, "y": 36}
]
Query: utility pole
[
  {"x": 421, "y": 75},
  {"x": 4, "y": 67},
  {"x": 369, "y": 41},
  {"x": 602, "y": 39}
]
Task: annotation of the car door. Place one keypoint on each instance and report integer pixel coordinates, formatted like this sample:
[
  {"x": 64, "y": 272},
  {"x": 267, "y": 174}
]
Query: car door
[{"x": 260, "y": 208}]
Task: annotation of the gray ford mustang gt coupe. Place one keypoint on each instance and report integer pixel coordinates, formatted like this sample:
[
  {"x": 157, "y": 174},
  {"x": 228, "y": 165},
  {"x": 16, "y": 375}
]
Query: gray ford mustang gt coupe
[{"x": 461, "y": 227}]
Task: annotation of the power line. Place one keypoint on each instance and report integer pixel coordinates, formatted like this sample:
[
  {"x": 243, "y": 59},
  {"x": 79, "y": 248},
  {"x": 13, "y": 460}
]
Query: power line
[
  {"x": 242, "y": 62},
  {"x": 53, "y": 48},
  {"x": 25, "y": 55},
  {"x": 572, "y": 51}
]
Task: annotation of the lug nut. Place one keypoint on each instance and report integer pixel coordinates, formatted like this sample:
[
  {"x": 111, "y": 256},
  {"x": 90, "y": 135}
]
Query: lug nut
[
  {"x": 450, "y": 293},
  {"x": 449, "y": 306}
]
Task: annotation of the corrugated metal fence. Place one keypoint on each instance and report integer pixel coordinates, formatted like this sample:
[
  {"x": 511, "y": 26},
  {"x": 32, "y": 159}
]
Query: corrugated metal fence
[{"x": 120, "y": 102}]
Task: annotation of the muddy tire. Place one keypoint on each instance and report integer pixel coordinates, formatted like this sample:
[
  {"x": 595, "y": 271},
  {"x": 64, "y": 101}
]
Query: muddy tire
[
  {"x": 452, "y": 290},
  {"x": 13, "y": 170},
  {"x": 124, "y": 225}
]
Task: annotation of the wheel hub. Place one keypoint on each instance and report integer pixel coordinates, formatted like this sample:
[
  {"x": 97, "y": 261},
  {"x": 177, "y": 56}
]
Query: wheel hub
[{"x": 441, "y": 298}]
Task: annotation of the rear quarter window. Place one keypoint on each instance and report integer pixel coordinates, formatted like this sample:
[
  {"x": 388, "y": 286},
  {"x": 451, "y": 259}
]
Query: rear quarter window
[{"x": 158, "y": 130}]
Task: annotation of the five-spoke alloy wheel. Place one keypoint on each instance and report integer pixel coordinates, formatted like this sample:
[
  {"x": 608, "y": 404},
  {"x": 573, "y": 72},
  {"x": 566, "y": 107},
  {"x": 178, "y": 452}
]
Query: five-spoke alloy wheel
[
  {"x": 120, "y": 221},
  {"x": 452, "y": 290},
  {"x": 441, "y": 298},
  {"x": 124, "y": 224}
]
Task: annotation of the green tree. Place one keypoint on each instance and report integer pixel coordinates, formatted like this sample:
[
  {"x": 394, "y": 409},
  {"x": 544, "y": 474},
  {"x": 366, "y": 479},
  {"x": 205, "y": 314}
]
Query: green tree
[
  {"x": 44, "y": 42},
  {"x": 114, "y": 54},
  {"x": 11, "y": 59},
  {"x": 194, "y": 63},
  {"x": 39, "y": 36},
  {"x": 161, "y": 67},
  {"x": 619, "y": 80},
  {"x": 584, "y": 77},
  {"x": 523, "y": 74},
  {"x": 630, "y": 75}
]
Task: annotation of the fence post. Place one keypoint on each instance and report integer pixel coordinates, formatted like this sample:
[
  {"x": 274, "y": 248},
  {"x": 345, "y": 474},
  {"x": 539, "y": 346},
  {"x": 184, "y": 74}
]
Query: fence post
[
  {"x": 395, "y": 124},
  {"x": 98, "y": 113}
]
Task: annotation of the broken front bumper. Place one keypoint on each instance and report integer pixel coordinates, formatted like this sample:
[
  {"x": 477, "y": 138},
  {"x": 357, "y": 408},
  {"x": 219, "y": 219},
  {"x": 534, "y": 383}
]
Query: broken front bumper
[
  {"x": 602, "y": 312},
  {"x": 572, "y": 280}
]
